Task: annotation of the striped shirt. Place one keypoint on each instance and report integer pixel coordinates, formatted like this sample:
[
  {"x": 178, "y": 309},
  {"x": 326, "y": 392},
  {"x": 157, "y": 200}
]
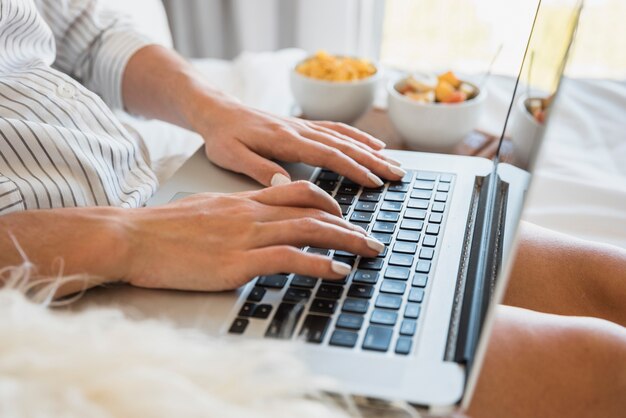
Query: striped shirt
[{"x": 61, "y": 68}]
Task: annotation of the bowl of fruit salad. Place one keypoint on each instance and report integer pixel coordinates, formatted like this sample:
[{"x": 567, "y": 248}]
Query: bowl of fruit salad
[
  {"x": 334, "y": 87},
  {"x": 434, "y": 112}
]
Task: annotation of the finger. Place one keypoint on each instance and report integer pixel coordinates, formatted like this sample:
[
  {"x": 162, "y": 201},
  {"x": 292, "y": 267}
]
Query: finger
[
  {"x": 276, "y": 259},
  {"x": 321, "y": 155},
  {"x": 364, "y": 158},
  {"x": 264, "y": 171},
  {"x": 299, "y": 194},
  {"x": 359, "y": 144},
  {"x": 315, "y": 233},
  {"x": 282, "y": 213},
  {"x": 353, "y": 133}
]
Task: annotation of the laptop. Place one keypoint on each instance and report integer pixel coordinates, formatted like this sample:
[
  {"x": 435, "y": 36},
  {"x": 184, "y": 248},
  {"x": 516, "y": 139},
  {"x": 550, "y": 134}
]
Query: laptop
[{"x": 413, "y": 323}]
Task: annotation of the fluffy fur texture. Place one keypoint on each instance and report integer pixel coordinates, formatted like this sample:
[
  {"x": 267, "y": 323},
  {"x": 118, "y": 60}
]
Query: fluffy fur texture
[{"x": 100, "y": 364}]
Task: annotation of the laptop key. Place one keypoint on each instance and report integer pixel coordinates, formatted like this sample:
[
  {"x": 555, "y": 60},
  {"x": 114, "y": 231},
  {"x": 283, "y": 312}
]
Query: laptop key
[
  {"x": 392, "y": 206},
  {"x": 383, "y": 253},
  {"x": 323, "y": 306},
  {"x": 408, "y": 177},
  {"x": 365, "y": 206},
  {"x": 426, "y": 175},
  {"x": 348, "y": 188},
  {"x": 365, "y": 276},
  {"x": 355, "y": 305},
  {"x": 408, "y": 235},
  {"x": 341, "y": 253},
  {"x": 307, "y": 282},
  {"x": 371, "y": 263},
  {"x": 429, "y": 241},
  {"x": 421, "y": 194},
  {"x": 361, "y": 216},
  {"x": 403, "y": 345},
  {"x": 422, "y": 266},
  {"x": 419, "y": 214},
  {"x": 344, "y": 209},
  {"x": 329, "y": 291},
  {"x": 386, "y": 227},
  {"x": 326, "y": 185},
  {"x": 408, "y": 327},
  {"x": 418, "y": 203},
  {"x": 328, "y": 175},
  {"x": 416, "y": 295},
  {"x": 443, "y": 187},
  {"x": 395, "y": 196},
  {"x": 424, "y": 185},
  {"x": 427, "y": 253},
  {"x": 412, "y": 224},
  {"x": 247, "y": 309},
  {"x": 412, "y": 310},
  {"x": 284, "y": 322},
  {"x": 320, "y": 251},
  {"x": 239, "y": 326},
  {"x": 419, "y": 280},
  {"x": 399, "y": 273},
  {"x": 435, "y": 218},
  {"x": 276, "y": 281},
  {"x": 314, "y": 328},
  {"x": 344, "y": 199},
  {"x": 350, "y": 321},
  {"x": 446, "y": 178},
  {"x": 439, "y": 207},
  {"x": 403, "y": 260},
  {"x": 398, "y": 187},
  {"x": 388, "y": 302},
  {"x": 361, "y": 291},
  {"x": 432, "y": 229},
  {"x": 405, "y": 247},
  {"x": 363, "y": 225},
  {"x": 377, "y": 338},
  {"x": 388, "y": 216},
  {"x": 396, "y": 287},
  {"x": 262, "y": 311},
  {"x": 383, "y": 317},
  {"x": 256, "y": 294},
  {"x": 295, "y": 295},
  {"x": 346, "y": 260},
  {"x": 382, "y": 237},
  {"x": 441, "y": 197},
  {"x": 343, "y": 338},
  {"x": 369, "y": 196}
]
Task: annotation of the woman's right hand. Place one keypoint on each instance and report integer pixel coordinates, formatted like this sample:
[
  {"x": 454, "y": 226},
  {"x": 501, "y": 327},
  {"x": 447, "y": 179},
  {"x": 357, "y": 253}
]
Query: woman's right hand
[{"x": 214, "y": 242}]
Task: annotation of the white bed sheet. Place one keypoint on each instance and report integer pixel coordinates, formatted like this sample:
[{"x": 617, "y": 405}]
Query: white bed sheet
[{"x": 579, "y": 185}]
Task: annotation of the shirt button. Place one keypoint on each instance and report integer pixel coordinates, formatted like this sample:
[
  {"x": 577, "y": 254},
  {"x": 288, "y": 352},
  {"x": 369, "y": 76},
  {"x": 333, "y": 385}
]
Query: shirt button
[{"x": 66, "y": 90}]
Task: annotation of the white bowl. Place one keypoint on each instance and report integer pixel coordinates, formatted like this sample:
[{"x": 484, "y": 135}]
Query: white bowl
[
  {"x": 340, "y": 101},
  {"x": 525, "y": 132},
  {"x": 432, "y": 126}
]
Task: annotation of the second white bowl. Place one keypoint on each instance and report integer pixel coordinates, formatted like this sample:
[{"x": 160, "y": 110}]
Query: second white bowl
[{"x": 433, "y": 126}]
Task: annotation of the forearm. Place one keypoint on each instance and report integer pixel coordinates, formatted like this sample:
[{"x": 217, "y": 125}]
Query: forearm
[
  {"x": 83, "y": 241},
  {"x": 158, "y": 83},
  {"x": 564, "y": 275}
]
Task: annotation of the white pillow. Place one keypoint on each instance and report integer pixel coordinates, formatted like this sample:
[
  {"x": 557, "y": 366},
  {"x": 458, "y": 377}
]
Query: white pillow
[{"x": 149, "y": 15}]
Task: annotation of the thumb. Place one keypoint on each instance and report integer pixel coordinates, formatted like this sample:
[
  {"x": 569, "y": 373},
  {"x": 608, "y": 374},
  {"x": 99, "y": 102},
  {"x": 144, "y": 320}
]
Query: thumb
[{"x": 266, "y": 172}]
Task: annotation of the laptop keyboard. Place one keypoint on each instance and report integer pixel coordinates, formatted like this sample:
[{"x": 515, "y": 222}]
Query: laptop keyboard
[{"x": 377, "y": 307}]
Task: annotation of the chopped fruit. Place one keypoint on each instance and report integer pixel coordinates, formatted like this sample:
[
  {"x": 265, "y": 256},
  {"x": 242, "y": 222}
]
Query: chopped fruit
[
  {"x": 456, "y": 97},
  {"x": 538, "y": 107},
  {"x": 449, "y": 77},
  {"x": 324, "y": 66},
  {"x": 444, "y": 91},
  {"x": 539, "y": 115},
  {"x": 445, "y": 88}
]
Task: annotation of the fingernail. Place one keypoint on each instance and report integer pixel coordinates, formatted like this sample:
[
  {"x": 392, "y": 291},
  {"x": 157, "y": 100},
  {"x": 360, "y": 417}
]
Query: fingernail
[
  {"x": 392, "y": 161},
  {"x": 279, "y": 179},
  {"x": 374, "y": 244},
  {"x": 397, "y": 170},
  {"x": 380, "y": 143},
  {"x": 340, "y": 268},
  {"x": 375, "y": 179}
]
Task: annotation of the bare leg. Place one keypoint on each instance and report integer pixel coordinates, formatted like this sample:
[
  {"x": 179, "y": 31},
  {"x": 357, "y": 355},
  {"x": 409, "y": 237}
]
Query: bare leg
[
  {"x": 559, "y": 274},
  {"x": 543, "y": 365}
]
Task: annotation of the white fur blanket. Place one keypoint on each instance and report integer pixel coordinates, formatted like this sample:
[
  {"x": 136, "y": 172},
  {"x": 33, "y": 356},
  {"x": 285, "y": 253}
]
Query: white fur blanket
[{"x": 99, "y": 364}]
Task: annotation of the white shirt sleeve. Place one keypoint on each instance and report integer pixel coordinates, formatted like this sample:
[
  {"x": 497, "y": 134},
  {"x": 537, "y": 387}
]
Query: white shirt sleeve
[{"x": 93, "y": 44}]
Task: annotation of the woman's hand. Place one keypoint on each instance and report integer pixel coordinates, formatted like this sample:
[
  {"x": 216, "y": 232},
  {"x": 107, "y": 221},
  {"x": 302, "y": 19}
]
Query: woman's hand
[
  {"x": 246, "y": 141},
  {"x": 218, "y": 242}
]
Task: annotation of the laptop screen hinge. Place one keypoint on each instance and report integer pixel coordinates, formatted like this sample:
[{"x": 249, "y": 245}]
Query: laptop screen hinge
[{"x": 480, "y": 265}]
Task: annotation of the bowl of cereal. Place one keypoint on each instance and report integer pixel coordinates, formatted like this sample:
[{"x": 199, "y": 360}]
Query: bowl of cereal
[
  {"x": 434, "y": 112},
  {"x": 334, "y": 87}
]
